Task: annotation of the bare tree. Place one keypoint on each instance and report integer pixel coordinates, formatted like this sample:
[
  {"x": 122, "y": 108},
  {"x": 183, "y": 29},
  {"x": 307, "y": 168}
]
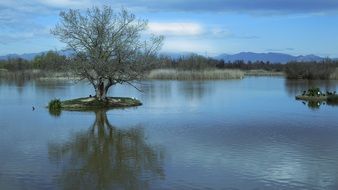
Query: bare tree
[{"x": 110, "y": 47}]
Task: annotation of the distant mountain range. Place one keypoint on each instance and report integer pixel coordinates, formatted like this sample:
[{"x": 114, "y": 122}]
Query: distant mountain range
[
  {"x": 245, "y": 56},
  {"x": 250, "y": 56},
  {"x": 271, "y": 57},
  {"x": 30, "y": 56},
  {"x": 27, "y": 56}
]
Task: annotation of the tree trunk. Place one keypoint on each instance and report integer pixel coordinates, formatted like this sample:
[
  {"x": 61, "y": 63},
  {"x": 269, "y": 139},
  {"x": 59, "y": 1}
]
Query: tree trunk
[{"x": 101, "y": 90}]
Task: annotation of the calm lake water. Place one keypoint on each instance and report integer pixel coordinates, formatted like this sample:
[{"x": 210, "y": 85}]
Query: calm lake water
[{"x": 248, "y": 134}]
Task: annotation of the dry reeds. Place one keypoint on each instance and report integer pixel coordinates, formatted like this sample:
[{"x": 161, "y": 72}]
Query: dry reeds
[
  {"x": 334, "y": 75},
  {"x": 310, "y": 70},
  {"x": 261, "y": 72},
  {"x": 27, "y": 75},
  {"x": 22, "y": 75},
  {"x": 216, "y": 74}
]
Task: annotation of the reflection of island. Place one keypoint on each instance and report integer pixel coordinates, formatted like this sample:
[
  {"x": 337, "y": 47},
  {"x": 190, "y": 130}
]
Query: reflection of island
[
  {"x": 314, "y": 105},
  {"x": 105, "y": 157}
]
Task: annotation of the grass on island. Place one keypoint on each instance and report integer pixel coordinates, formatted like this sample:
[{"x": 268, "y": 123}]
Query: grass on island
[
  {"x": 312, "y": 98},
  {"x": 216, "y": 74},
  {"x": 91, "y": 103}
]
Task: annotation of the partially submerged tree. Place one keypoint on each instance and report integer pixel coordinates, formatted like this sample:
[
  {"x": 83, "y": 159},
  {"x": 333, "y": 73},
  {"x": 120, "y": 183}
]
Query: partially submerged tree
[{"x": 109, "y": 46}]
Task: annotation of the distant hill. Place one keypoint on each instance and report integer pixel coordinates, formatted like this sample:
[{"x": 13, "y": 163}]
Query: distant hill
[
  {"x": 30, "y": 56},
  {"x": 27, "y": 56},
  {"x": 176, "y": 55},
  {"x": 271, "y": 57}
]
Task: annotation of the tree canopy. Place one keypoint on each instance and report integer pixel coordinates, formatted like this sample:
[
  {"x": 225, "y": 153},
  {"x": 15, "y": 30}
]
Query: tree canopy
[{"x": 110, "y": 47}]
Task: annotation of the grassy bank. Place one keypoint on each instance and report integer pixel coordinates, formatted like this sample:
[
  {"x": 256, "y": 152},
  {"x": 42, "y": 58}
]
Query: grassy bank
[
  {"x": 216, "y": 74},
  {"x": 158, "y": 74}
]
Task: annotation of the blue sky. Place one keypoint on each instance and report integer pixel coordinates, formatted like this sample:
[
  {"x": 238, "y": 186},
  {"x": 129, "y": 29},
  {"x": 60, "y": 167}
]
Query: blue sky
[{"x": 206, "y": 27}]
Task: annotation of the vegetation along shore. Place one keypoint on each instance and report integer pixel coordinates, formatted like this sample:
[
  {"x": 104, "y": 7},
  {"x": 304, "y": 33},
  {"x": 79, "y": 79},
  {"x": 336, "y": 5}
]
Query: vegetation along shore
[{"x": 52, "y": 65}]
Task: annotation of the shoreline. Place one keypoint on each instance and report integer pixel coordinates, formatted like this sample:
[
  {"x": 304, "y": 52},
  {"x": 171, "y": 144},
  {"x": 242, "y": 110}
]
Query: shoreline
[
  {"x": 91, "y": 103},
  {"x": 155, "y": 74},
  {"x": 331, "y": 99}
]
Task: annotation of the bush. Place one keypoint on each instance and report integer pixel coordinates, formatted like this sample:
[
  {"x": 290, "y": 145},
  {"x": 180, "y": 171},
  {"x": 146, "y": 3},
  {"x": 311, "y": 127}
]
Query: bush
[
  {"x": 310, "y": 70},
  {"x": 54, "y": 104},
  {"x": 313, "y": 92}
]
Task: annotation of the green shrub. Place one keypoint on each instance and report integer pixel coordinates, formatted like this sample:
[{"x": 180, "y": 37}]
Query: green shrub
[
  {"x": 313, "y": 92},
  {"x": 54, "y": 104}
]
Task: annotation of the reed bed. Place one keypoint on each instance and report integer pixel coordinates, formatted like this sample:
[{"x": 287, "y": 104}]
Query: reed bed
[
  {"x": 216, "y": 74},
  {"x": 310, "y": 70},
  {"x": 260, "y": 72},
  {"x": 27, "y": 75},
  {"x": 21, "y": 75},
  {"x": 334, "y": 75}
]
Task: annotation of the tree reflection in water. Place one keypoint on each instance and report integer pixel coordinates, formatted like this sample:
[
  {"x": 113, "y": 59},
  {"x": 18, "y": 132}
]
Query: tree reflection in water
[
  {"x": 314, "y": 105},
  {"x": 105, "y": 157}
]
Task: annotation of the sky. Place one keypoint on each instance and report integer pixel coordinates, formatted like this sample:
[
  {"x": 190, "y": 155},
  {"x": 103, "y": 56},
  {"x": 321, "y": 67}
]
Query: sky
[{"x": 207, "y": 27}]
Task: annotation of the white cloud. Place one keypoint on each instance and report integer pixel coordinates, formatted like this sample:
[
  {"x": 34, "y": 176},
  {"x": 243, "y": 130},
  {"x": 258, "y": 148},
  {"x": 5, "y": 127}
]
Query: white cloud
[
  {"x": 187, "y": 45},
  {"x": 176, "y": 28},
  {"x": 193, "y": 29}
]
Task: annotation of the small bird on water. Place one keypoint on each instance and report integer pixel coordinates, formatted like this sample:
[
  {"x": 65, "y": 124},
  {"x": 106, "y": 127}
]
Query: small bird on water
[{"x": 33, "y": 108}]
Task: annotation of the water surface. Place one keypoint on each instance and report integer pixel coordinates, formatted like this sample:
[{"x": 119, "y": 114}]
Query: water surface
[{"x": 235, "y": 134}]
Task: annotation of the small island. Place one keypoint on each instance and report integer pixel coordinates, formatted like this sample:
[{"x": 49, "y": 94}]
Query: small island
[
  {"x": 92, "y": 103},
  {"x": 315, "y": 94}
]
